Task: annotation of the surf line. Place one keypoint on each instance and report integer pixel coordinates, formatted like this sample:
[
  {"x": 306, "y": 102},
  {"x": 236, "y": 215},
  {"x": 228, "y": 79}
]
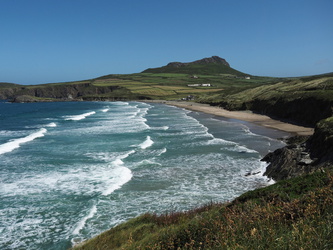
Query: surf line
[
  {"x": 14, "y": 144},
  {"x": 79, "y": 117},
  {"x": 147, "y": 143},
  {"x": 83, "y": 221}
]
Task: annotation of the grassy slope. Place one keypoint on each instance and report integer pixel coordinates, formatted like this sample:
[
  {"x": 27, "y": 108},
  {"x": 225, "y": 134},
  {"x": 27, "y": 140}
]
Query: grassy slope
[
  {"x": 320, "y": 86},
  {"x": 175, "y": 85},
  {"x": 292, "y": 214}
]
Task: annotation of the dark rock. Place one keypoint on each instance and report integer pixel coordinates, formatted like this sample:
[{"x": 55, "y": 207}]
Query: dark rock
[
  {"x": 301, "y": 157},
  {"x": 320, "y": 144},
  {"x": 24, "y": 98},
  {"x": 287, "y": 162}
]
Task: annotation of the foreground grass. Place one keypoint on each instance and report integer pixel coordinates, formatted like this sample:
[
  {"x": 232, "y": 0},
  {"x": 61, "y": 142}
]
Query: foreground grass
[{"x": 292, "y": 214}]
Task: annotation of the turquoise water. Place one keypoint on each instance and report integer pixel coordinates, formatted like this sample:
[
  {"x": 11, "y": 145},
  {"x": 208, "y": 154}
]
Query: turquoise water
[{"x": 71, "y": 170}]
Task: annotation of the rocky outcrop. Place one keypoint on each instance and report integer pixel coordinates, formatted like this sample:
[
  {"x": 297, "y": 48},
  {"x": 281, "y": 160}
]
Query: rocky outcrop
[
  {"x": 303, "y": 156},
  {"x": 288, "y": 162},
  {"x": 320, "y": 144}
]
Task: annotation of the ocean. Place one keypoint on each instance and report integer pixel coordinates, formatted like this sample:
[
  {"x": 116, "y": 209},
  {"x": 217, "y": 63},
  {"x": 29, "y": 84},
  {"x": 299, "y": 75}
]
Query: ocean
[{"x": 71, "y": 170}]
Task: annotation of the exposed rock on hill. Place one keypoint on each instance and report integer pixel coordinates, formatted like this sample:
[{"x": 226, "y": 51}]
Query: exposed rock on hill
[
  {"x": 205, "y": 66},
  {"x": 303, "y": 156},
  {"x": 208, "y": 60}
]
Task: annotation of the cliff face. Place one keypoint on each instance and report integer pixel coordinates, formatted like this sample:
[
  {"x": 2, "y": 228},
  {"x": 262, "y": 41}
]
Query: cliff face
[
  {"x": 305, "y": 110},
  {"x": 57, "y": 92},
  {"x": 320, "y": 144},
  {"x": 303, "y": 155}
]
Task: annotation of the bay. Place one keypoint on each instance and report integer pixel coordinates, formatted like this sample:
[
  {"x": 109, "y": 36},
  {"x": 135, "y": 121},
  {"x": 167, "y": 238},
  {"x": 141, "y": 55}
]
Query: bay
[{"x": 71, "y": 170}]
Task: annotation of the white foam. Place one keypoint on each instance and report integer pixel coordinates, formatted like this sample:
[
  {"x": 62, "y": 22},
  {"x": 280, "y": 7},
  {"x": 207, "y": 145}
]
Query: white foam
[
  {"x": 110, "y": 156},
  {"x": 148, "y": 162},
  {"x": 120, "y": 176},
  {"x": 162, "y": 151},
  {"x": 105, "y": 110},
  {"x": 259, "y": 172},
  {"x": 244, "y": 149},
  {"x": 51, "y": 125},
  {"x": 147, "y": 143},
  {"x": 11, "y": 145},
  {"x": 83, "y": 221},
  {"x": 79, "y": 117},
  {"x": 219, "y": 141},
  {"x": 160, "y": 128},
  {"x": 120, "y": 103}
]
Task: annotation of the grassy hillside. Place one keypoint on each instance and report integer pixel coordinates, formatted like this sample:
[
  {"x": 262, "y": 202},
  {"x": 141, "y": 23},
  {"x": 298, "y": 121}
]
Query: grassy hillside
[
  {"x": 171, "y": 86},
  {"x": 8, "y": 85},
  {"x": 292, "y": 214}
]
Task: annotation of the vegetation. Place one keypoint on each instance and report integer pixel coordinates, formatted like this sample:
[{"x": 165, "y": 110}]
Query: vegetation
[
  {"x": 201, "y": 69},
  {"x": 7, "y": 85},
  {"x": 291, "y": 214}
]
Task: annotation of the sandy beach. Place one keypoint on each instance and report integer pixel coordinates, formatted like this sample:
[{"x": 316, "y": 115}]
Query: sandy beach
[{"x": 248, "y": 116}]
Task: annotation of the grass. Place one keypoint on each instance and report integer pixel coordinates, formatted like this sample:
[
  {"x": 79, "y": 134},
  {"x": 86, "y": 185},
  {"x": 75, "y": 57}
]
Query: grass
[
  {"x": 291, "y": 214},
  {"x": 175, "y": 85}
]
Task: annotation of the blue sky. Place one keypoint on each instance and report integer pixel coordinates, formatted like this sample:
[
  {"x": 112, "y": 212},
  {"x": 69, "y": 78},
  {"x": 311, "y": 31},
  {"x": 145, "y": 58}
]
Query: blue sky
[{"x": 44, "y": 41}]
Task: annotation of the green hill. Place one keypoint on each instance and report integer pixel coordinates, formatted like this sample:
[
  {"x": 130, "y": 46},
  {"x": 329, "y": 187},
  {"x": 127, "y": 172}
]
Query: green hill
[{"x": 207, "y": 66}]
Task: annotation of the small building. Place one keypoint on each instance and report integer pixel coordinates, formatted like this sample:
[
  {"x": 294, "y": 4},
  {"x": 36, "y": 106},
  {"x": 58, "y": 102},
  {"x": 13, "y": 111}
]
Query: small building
[
  {"x": 188, "y": 98},
  {"x": 206, "y": 85}
]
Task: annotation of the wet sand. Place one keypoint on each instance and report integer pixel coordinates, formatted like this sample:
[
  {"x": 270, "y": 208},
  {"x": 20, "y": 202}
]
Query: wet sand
[{"x": 248, "y": 116}]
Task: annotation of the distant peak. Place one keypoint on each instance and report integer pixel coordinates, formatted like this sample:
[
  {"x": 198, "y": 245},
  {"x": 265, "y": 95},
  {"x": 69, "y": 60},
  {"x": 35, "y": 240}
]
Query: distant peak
[{"x": 208, "y": 60}]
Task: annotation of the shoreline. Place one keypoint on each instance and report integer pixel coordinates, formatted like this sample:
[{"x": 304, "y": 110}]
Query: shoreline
[{"x": 248, "y": 116}]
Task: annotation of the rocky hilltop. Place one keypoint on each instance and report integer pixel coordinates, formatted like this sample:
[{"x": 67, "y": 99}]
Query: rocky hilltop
[
  {"x": 204, "y": 61},
  {"x": 205, "y": 66}
]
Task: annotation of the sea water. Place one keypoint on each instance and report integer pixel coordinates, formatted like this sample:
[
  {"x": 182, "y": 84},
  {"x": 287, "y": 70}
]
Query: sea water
[{"x": 71, "y": 170}]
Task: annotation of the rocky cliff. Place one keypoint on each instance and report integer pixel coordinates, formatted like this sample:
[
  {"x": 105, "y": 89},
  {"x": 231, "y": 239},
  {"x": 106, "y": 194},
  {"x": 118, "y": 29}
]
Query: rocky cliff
[
  {"x": 303, "y": 155},
  {"x": 303, "y": 110},
  {"x": 55, "y": 92}
]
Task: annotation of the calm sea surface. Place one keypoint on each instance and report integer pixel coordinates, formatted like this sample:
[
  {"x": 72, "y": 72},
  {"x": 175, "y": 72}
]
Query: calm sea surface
[{"x": 71, "y": 170}]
